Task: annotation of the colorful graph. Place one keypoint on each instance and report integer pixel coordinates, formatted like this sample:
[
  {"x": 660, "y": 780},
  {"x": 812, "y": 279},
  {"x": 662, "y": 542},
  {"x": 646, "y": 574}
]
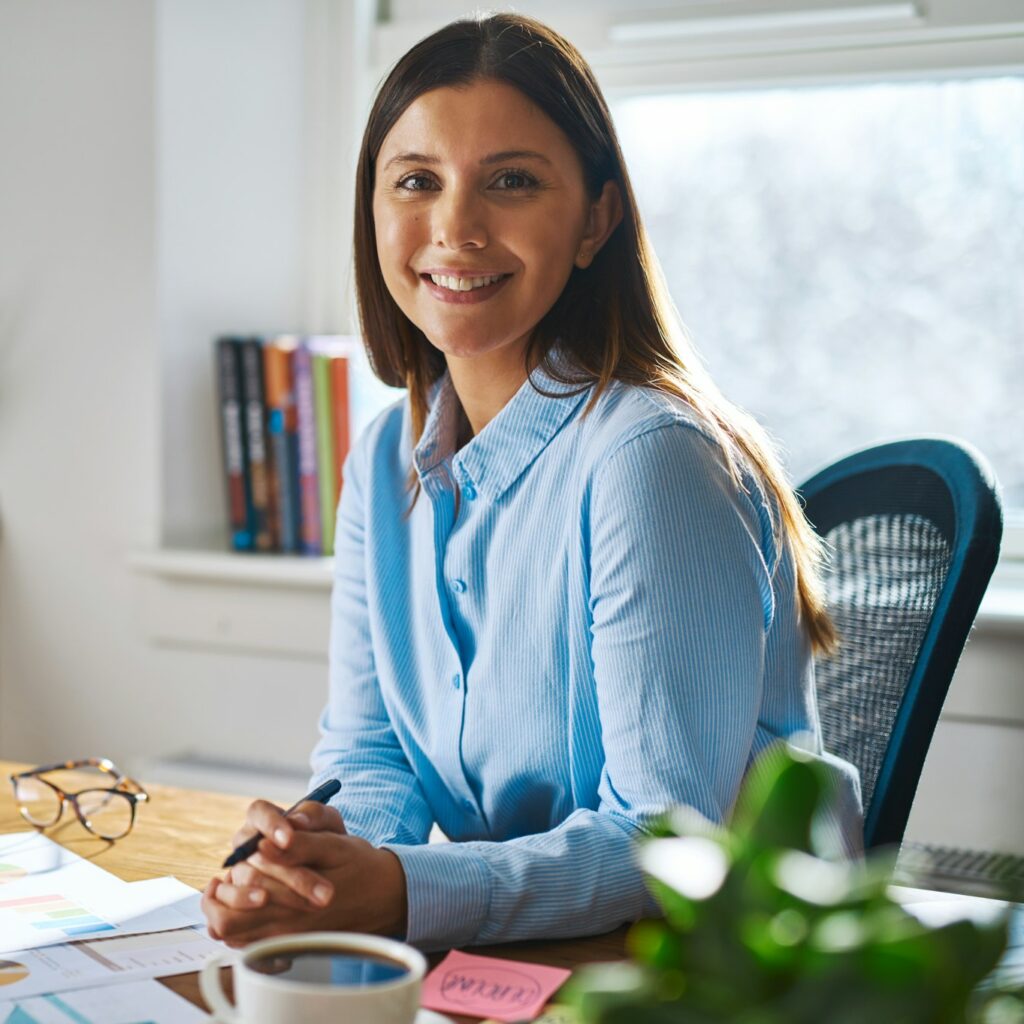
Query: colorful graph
[
  {"x": 11, "y": 971},
  {"x": 11, "y": 873},
  {"x": 54, "y": 912}
]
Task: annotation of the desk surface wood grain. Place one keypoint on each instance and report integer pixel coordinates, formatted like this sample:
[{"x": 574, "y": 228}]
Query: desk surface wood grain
[{"x": 187, "y": 833}]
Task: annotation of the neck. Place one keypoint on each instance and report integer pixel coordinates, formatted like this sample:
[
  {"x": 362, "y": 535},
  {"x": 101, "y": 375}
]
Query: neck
[{"x": 486, "y": 383}]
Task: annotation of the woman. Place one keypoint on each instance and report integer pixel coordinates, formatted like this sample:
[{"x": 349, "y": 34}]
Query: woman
[{"x": 572, "y": 586}]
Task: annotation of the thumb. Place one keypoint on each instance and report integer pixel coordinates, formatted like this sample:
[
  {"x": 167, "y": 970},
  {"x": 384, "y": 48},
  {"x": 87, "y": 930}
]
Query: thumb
[{"x": 314, "y": 817}]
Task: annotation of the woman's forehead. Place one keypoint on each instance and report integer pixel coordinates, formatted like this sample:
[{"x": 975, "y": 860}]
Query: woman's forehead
[{"x": 466, "y": 124}]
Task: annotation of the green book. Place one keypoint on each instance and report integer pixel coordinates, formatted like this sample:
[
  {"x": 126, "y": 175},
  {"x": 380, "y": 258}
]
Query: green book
[{"x": 327, "y": 471}]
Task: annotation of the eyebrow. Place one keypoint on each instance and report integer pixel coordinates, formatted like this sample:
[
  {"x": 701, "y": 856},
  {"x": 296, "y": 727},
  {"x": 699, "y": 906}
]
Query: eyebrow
[{"x": 491, "y": 158}]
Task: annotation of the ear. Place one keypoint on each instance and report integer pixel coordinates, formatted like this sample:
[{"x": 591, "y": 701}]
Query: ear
[{"x": 602, "y": 219}]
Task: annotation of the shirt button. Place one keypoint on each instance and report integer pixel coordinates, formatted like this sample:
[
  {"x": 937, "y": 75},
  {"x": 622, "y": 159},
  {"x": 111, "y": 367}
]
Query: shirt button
[
  {"x": 459, "y": 586},
  {"x": 468, "y": 805},
  {"x": 468, "y": 492},
  {"x": 456, "y": 681}
]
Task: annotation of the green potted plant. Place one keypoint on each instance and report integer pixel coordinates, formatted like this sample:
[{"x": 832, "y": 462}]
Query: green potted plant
[{"x": 760, "y": 929}]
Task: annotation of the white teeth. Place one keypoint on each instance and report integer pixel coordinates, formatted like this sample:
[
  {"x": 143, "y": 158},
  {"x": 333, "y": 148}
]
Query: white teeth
[{"x": 463, "y": 284}]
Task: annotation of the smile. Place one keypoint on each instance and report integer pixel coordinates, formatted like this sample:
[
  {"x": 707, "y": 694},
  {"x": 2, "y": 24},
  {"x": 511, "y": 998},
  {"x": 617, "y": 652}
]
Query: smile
[{"x": 464, "y": 290}]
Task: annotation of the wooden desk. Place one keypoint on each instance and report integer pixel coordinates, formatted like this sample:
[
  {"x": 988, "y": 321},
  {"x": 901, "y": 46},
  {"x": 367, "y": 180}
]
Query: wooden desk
[{"x": 186, "y": 833}]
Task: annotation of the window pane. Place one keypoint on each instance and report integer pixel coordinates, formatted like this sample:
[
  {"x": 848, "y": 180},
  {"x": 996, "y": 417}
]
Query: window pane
[{"x": 848, "y": 259}]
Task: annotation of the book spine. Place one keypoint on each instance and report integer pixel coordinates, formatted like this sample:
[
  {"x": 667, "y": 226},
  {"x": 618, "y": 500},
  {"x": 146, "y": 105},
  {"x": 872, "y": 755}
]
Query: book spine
[
  {"x": 282, "y": 426},
  {"x": 326, "y": 466},
  {"x": 229, "y": 385},
  {"x": 341, "y": 411},
  {"x": 309, "y": 493},
  {"x": 255, "y": 413}
]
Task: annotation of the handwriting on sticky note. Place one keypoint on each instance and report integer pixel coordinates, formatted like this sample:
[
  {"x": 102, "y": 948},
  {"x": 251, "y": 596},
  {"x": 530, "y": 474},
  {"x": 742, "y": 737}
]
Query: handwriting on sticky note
[{"x": 484, "y": 986}]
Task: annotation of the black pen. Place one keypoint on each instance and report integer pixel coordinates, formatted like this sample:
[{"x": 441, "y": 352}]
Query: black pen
[{"x": 320, "y": 795}]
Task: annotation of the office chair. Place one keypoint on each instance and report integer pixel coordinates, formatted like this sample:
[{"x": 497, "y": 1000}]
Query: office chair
[{"x": 913, "y": 529}]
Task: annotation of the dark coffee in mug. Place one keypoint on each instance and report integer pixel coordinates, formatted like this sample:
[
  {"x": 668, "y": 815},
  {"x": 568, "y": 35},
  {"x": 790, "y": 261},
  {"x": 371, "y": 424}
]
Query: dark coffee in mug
[{"x": 329, "y": 966}]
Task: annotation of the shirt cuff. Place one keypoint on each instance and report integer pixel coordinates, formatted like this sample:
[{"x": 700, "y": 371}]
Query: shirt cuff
[{"x": 449, "y": 893}]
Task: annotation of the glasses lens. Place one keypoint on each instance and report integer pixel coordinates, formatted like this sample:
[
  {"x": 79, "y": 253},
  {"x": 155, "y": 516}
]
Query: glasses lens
[
  {"x": 107, "y": 812},
  {"x": 37, "y": 802}
]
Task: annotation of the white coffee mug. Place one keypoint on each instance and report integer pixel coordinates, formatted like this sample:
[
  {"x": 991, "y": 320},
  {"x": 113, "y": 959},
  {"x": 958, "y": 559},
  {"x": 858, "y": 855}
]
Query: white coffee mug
[{"x": 388, "y": 991}]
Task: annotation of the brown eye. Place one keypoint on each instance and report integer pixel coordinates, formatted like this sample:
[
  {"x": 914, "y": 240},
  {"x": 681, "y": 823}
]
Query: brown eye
[
  {"x": 515, "y": 181},
  {"x": 415, "y": 183}
]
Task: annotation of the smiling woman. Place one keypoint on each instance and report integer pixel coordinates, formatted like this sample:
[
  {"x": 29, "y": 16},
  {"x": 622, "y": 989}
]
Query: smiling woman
[{"x": 572, "y": 587}]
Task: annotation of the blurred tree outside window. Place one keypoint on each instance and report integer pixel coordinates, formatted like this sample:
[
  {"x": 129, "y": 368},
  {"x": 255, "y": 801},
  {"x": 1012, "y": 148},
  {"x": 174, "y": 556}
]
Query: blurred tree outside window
[{"x": 849, "y": 260}]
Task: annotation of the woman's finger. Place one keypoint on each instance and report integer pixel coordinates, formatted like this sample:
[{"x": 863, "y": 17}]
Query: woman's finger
[
  {"x": 314, "y": 817},
  {"x": 243, "y": 938},
  {"x": 245, "y": 875},
  {"x": 243, "y": 835},
  {"x": 302, "y": 881},
  {"x": 235, "y": 926},
  {"x": 242, "y": 897},
  {"x": 269, "y": 820}
]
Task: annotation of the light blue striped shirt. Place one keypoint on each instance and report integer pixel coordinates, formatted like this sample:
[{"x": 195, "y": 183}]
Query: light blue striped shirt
[{"x": 604, "y": 629}]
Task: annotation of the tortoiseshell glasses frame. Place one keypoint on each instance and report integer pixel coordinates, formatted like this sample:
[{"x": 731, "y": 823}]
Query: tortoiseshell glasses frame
[{"x": 105, "y": 812}]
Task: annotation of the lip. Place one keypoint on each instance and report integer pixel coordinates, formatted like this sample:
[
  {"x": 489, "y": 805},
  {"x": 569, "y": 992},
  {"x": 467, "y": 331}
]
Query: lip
[
  {"x": 460, "y": 272},
  {"x": 469, "y": 298}
]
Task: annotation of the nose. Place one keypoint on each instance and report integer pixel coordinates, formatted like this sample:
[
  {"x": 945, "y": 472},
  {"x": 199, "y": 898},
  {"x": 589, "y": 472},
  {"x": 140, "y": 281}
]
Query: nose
[{"x": 459, "y": 220}]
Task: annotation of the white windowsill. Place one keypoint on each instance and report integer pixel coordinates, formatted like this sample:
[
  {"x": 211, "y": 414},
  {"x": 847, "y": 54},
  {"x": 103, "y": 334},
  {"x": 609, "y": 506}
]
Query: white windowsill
[{"x": 1002, "y": 608}]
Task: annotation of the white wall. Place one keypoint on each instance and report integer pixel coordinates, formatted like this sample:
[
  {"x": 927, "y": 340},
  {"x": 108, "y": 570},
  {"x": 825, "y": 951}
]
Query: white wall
[
  {"x": 151, "y": 195},
  {"x": 150, "y": 191},
  {"x": 78, "y": 384}
]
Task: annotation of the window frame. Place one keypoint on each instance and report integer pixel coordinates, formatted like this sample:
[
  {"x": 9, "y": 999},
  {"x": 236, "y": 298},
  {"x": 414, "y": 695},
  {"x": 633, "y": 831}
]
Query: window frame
[{"x": 939, "y": 39}]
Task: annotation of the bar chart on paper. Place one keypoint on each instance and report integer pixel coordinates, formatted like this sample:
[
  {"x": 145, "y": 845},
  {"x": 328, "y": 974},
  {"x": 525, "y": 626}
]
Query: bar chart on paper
[
  {"x": 128, "y": 1003},
  {"x": 103, "y": 962},
  {"x": 48, "y": 895},
  {"x": 56, "y": 915}
]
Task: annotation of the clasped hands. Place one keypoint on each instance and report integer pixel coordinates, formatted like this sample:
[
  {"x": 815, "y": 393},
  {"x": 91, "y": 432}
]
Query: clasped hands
[{"x": 308, "y": 874}]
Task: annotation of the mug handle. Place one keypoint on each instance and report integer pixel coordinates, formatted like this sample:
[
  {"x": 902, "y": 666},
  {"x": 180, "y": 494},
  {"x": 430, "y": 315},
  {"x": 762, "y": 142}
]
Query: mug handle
[{"x": 213, "y": 993}]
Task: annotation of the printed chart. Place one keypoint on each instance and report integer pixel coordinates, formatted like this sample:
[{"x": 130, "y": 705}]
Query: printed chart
[
  {"x": 49, "y": 895},
  {"x": 129, "y": 1003},
  {"x": 57, "y": 916},
  {"x": 11, "y": 972},
  {"x": 11, "y": 873},
  {"x": 104, "y": 962}
]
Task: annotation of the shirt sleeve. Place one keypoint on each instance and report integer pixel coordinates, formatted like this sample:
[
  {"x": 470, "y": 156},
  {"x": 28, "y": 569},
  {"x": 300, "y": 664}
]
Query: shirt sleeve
[
  {"x": 380, "y": 797},
  {"x": 680, "y": 600}
]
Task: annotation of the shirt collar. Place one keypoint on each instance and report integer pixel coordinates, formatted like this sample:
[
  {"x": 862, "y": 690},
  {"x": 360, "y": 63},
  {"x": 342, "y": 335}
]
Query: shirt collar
[{"x": 496, "y": 457}]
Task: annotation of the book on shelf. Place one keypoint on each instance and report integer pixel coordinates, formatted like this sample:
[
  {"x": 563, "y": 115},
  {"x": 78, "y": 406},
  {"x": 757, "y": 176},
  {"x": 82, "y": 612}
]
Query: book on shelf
[
  {"x": 257, "y": 446},
  {"x": 309, "y": 485},
  {"x": 283, "y": 427},
  {"x": 330, "y": 361},
  {"x": 286, "y": 411},
  {"x": 232, "y": 434}
]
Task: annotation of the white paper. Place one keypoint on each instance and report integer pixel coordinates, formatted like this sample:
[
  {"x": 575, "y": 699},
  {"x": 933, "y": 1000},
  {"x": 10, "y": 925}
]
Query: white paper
[
  {"x": 127, "y": 1003},
  {"x": 49, "y": 895},
  {"x": 95, "y": 962}
]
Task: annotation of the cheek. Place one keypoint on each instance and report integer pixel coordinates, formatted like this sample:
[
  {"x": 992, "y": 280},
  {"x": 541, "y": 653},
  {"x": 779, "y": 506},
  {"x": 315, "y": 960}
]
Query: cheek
[
  {"x": 554, "y": 250},
  {"x": 396, "y": 239}
]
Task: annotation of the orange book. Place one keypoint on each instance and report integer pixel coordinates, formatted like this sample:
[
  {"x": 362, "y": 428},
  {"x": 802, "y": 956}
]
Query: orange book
[
  {"x": 340, "y": 413},
  {"x": 282, "y": 426}
]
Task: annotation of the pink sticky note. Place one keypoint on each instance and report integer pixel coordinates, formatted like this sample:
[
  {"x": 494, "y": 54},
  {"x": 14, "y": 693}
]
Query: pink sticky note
[{"x": 484, "y": 986}]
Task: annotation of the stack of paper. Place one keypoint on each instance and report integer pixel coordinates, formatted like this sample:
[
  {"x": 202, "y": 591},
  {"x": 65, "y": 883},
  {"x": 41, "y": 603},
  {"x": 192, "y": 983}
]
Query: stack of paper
[{"x": 67, "y": 928}]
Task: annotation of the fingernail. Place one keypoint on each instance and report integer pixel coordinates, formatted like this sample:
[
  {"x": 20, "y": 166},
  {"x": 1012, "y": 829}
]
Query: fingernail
[
  {"x": 281, "y": 837},
  {"x": 256, "y": 896},
  {"x": 300, "y": 819},
  {"x": 322, "y": 894}
]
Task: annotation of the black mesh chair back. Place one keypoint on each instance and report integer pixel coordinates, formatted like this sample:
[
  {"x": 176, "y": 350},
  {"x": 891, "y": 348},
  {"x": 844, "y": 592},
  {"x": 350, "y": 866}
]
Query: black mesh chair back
[{"x": 914, "y": 529}]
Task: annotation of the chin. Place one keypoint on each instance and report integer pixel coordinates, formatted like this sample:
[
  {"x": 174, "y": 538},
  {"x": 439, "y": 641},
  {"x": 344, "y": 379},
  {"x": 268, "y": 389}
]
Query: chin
[{"x": 464, "y": 348}]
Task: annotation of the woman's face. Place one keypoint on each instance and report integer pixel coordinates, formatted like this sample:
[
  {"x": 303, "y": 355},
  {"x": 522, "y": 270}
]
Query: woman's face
[{"x": 480, "y": 212}]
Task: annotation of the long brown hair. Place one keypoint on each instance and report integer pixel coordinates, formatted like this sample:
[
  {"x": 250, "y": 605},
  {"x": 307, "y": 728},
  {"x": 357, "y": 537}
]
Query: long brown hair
[{"x": 615, "y": 318}]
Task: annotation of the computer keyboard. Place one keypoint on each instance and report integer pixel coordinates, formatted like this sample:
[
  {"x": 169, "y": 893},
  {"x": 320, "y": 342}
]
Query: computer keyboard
[{"x": 952, "y": 869}]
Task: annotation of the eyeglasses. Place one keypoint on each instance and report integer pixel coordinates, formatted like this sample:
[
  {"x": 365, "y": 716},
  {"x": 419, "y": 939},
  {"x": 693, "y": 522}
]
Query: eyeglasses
[{"x": 108, "y": 813}]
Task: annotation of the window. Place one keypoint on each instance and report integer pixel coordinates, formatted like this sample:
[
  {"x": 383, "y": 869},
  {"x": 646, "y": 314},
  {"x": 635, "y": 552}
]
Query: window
[{"x": 848, "y": 258}]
